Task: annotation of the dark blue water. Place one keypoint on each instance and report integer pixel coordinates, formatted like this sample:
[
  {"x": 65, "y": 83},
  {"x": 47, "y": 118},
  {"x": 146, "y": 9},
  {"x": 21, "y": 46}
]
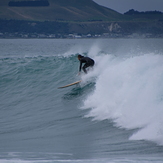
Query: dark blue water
[{"x": 114, "y": 115}]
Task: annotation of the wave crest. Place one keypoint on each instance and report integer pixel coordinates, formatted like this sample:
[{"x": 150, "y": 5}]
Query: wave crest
[{"x": 130, "y": 92}]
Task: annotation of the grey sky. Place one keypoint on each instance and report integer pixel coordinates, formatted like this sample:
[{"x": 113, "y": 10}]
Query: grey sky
[{"x": 139, "y": 5}]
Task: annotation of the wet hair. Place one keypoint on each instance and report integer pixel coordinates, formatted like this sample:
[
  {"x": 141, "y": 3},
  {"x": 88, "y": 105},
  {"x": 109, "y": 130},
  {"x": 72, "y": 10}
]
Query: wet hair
[{"x": 80, "y": 56}]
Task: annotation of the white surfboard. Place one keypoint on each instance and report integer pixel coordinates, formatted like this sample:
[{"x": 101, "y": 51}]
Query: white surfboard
[{"x": 70, "y": 84}]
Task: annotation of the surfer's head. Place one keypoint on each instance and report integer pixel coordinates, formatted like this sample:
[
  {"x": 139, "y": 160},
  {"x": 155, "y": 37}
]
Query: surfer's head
[{"x": 80, "y": 56}]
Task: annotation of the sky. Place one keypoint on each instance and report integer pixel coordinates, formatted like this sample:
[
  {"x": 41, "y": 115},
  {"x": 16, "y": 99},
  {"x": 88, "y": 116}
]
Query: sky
[{"x": 123, "y": 6}]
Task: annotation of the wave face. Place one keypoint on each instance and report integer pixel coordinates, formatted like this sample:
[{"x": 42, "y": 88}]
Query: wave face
[{"x": 114, "y": 115}]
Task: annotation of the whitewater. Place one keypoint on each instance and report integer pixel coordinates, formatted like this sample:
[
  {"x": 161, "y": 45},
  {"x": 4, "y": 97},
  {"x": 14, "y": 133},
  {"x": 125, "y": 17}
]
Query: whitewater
[
  {"x": 114, "y": 115},
  {"x": 129, "y": 92}
]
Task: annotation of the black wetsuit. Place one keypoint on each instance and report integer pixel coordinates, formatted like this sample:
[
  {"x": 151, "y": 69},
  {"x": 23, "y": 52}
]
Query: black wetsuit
[{"x": 88, "y": 62}]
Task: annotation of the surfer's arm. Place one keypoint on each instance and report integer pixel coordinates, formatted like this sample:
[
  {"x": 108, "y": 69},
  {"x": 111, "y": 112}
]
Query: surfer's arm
[{"x": 80, "y": 66}]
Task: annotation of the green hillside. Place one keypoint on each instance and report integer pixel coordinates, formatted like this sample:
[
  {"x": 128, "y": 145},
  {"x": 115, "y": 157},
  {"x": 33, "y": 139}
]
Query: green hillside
[
  {"x": 26, "y": 18},
  {"x": 62, "y": 10}
]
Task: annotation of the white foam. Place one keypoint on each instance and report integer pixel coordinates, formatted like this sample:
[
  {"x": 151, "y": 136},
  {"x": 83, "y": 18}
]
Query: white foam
[{"x": 130, "y": 92}]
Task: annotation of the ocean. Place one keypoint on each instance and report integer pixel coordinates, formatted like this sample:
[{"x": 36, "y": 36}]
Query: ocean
[{"x": 115, "y": 115}]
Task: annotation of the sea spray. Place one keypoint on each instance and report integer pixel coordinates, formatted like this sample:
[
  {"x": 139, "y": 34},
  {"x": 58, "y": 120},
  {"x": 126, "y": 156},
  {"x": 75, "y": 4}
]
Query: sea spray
[{"x": 129, "y": 91}]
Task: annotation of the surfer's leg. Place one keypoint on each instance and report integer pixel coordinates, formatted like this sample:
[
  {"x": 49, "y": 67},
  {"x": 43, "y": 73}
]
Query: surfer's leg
[
  {"x": 85, "y": 66},
  {"x": 84, "y": 69}
]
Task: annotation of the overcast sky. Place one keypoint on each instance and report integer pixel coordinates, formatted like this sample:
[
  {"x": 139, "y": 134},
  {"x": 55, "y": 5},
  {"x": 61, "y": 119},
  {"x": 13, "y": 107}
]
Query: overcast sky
[{"x": 139, "y": 5}]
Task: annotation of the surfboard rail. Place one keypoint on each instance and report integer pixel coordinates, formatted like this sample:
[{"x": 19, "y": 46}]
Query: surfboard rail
[{"x": 68, "y": 85}]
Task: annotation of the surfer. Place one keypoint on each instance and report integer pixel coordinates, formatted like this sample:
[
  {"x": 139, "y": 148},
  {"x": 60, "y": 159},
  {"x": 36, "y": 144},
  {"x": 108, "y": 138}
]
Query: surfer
[{"x": 88, "y": 63}]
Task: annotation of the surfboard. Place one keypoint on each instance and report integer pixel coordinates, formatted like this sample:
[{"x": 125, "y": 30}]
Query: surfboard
[{"x": 68, "y": 85}]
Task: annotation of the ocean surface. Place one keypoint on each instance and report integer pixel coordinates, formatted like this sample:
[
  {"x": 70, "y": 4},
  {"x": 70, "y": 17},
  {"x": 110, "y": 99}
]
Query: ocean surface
[{"x": 115, "y": 115}]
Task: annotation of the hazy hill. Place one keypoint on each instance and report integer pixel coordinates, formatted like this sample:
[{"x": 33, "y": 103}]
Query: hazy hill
[
  {"x": 75, "y": 16},
  {"x": 63, "y": 10}
]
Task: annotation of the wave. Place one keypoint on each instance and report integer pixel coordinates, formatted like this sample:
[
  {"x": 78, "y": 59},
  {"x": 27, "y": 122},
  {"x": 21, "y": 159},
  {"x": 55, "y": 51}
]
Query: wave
[
  {"x": 129, "y": 91},
  {"x": 124, "y": 88}
]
